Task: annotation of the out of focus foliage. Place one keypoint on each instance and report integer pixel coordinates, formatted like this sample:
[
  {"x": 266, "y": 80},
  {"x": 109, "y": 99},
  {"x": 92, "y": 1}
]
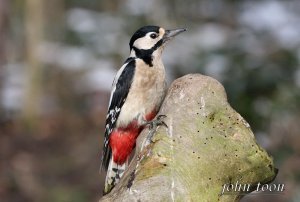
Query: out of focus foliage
[{"x": 58, "y": 59}]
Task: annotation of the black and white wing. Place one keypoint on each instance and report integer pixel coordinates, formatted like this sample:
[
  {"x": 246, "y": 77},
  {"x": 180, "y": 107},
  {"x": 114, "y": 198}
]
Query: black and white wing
[{"x": 120, "y": 89}]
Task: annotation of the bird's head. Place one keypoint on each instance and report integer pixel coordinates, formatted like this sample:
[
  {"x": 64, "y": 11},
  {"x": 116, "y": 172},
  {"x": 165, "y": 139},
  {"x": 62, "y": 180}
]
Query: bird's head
[{"x": 150, "y": 40}]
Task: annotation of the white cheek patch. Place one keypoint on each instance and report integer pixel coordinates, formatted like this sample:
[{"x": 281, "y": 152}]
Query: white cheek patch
[{"x": 146, "y": 42}]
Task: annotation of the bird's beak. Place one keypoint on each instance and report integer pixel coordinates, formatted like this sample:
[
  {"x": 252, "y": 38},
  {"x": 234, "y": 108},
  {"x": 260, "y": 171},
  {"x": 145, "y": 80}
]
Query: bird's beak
[{"x": 169, "y": 34}]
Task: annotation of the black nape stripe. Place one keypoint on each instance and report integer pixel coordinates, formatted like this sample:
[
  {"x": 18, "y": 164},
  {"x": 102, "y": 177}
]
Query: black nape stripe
[{"x": 146, "y": 54}]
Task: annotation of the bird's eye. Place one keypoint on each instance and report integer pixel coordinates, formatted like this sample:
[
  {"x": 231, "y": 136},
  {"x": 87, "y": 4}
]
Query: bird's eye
[{"x": 153, "y": 36}]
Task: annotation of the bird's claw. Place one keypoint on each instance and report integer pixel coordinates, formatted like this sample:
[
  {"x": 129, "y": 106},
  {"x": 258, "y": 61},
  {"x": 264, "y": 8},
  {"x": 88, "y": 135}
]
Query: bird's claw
[
  {"x": 154, "y": 124},
  {"x": 157, "y": 122}
]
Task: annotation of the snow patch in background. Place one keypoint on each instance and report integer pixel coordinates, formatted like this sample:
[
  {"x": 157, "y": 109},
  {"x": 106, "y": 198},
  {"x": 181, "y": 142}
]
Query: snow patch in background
[
  {"x": 13, "y": 86},
  {"x": 66, "y": 57},
  {"x": 100, "y": 77},
  {"x": 137, "y": 7},
  {"x": 216, "y": 66},
  {"x": 275, "y": 17}
]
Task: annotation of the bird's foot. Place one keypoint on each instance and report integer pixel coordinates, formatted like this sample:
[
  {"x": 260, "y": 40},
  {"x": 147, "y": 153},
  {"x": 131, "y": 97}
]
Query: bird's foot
[
  {"x": 157, "y": 122},
  {"x": 154, "y": 124}
]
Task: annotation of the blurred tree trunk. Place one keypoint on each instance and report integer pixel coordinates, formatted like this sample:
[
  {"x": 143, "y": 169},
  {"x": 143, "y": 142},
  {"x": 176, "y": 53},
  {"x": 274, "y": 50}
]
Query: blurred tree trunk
[
  {"x": 34, "y": 19},
  {"x": 54, "y": 19},
  {"x": 43, "y": 21},
  {"x": 3, "y": 36},
  {"x": 3, "y": 28}
]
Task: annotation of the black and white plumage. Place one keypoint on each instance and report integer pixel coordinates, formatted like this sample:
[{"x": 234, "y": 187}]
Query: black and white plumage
[
  {"x": 120, "y": 89},
  {"x": 137, "y": 93}
]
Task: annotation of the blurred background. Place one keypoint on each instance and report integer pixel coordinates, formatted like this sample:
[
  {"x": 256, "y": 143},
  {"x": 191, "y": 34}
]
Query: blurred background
[{"x": 58, "y": 59}]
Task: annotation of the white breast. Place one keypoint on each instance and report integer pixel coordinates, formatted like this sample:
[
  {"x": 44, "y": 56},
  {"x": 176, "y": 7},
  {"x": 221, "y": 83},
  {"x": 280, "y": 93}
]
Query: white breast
[{"x": 146, "y": 93}]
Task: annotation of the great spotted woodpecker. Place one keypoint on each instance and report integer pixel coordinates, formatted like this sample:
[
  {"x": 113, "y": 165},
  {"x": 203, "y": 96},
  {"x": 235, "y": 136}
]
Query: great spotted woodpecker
[{"x": 137, "y": 93}]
